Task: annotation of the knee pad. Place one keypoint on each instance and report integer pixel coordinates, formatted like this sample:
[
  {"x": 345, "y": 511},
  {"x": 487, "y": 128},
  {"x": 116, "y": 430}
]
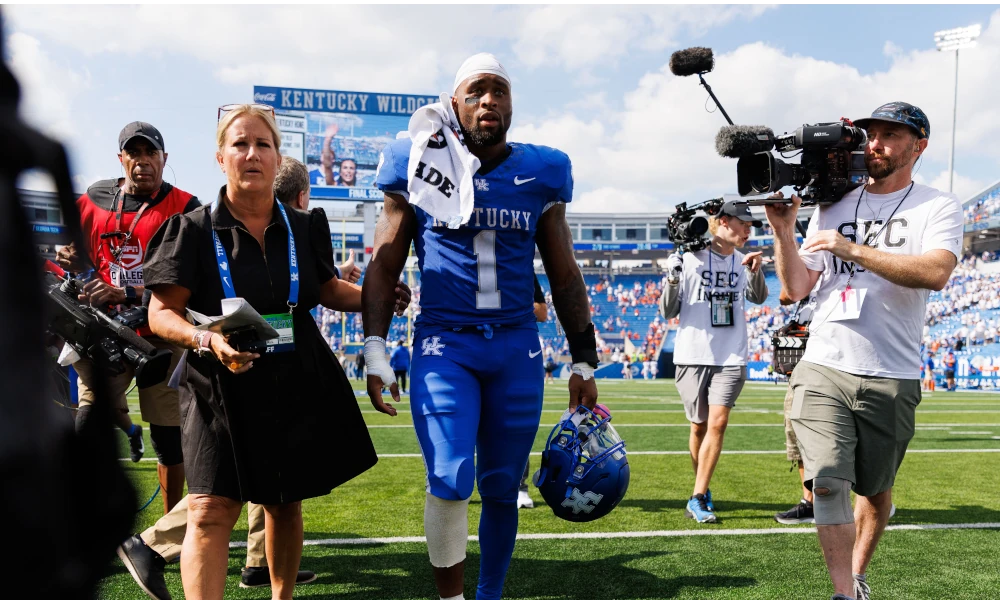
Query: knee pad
[
  {"x": 446, "y": 525},
  {"x": 82, "y": 414},
  {"x": 834, "y": 506},
  {"x": 167, "y": 444},
  {"x": 501, "y": 486},
  {"x": 452, "y": 480}
]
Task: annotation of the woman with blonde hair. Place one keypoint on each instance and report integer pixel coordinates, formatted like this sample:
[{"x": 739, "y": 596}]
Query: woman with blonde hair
[{"x": 256, "y": 419}]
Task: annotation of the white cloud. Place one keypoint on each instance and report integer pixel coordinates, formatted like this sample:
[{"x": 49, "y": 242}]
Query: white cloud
[
  {"x": 41, "y": 181},
  {"x": 338, "y": 46},
  {"x": 36, "y": 180},
  {"x": 47, "y": 87},
  {"x": 660, "y": 149},
  {"x": 613, "y": 199},
  {"x": 578, "y": 37},
  {"x": 304, "y": 46},
  {"x": 964, "y": 186}
]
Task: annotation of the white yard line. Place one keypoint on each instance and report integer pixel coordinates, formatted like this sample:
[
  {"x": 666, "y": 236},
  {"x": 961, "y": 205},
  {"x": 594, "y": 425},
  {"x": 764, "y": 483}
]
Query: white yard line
[
  {"x": 602, "y": 535},
  {"x": 928, "y": 427},
  {"x": 741, "y": 452}
]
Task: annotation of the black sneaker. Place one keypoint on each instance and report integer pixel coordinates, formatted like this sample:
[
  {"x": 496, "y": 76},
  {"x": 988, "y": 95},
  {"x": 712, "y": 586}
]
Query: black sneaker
[
  {"x": 253, "y": 577},
  {"x": 799, "y": 514},
  {"x": 136, "y": 445},
  {"x": 145, "y": 566}
]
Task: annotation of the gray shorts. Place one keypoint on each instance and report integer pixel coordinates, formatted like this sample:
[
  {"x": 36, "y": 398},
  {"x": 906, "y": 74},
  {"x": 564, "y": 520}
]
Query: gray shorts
[
  {"x": 699, "y": 386},
  {"x": 852, "y": 427}
]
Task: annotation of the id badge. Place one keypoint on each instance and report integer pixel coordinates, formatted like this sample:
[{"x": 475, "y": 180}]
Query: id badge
[
  {"x": 282, "y": 323},
  {"x": 849, "y": 303},
  {"x": 722, "y": 310}
]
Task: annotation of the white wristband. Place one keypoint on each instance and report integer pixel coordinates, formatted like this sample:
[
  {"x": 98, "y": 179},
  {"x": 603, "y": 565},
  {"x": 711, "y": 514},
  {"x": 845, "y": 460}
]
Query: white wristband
[
  {"x": 582, "y": 369},
  {"x": 375, "y": 360}
]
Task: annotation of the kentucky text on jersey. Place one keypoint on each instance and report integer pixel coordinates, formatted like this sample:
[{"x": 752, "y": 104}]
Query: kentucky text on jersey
[
  {"x": 496, "y": 218},
  {"x": 480, "y": 273}
]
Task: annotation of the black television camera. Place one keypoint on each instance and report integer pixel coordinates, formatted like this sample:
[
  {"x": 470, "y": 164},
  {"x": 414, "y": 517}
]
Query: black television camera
[
  {"x": 832, "y": 160},
  {"x": 686, "y": 228},
  {"x": 111, "y": 342}
]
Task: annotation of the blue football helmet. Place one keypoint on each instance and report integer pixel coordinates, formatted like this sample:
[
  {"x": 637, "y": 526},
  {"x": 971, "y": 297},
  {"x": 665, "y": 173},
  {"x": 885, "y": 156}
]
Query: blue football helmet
[{"x": 584, "y": 472}]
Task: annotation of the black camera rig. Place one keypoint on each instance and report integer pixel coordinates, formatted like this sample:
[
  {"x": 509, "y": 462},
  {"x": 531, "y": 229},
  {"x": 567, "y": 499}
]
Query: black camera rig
[{"x": 110, "y": 341}]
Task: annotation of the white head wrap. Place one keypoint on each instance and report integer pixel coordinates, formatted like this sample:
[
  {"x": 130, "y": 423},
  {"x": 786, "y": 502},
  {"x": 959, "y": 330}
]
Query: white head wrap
[{"x": 484, "y": 62}]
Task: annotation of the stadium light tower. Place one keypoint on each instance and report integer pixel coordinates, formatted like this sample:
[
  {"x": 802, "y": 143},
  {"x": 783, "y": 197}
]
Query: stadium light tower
[{"x": 946, "y": 41}]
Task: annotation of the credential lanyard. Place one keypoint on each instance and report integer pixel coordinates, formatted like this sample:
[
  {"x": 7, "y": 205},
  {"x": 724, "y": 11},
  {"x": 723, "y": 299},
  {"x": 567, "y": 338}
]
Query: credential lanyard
[
  {"x": 732, "y": 268},
  {"x": 222, "y": 260},
  {"x": 116, "y": 252}
]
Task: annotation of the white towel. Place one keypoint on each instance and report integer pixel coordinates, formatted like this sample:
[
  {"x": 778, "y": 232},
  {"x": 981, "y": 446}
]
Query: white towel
[{"x": 446, "y": 191}]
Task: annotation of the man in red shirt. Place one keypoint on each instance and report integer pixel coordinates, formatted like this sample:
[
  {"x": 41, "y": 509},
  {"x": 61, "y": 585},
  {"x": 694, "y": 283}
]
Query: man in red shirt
[{"x": 118, "y": 217}]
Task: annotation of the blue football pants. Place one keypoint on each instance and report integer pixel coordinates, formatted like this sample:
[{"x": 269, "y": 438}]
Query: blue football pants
[{"x": 476, "y": 405}]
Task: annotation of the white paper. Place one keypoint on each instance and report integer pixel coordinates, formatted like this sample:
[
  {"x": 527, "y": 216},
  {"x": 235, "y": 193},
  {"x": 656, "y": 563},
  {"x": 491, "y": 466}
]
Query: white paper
[
  {"x": 849, "y": 303},
  {"x": 236, "y": 312}
]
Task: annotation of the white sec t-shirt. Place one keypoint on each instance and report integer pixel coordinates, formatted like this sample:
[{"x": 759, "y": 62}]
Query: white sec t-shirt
[
  {"x": 698, "y": 342},
  {"x": 885, "y": 340}
]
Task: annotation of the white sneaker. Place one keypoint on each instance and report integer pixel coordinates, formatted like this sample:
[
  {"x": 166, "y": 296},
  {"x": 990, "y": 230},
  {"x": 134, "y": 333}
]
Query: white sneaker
[{"x": 524, "y": 500}]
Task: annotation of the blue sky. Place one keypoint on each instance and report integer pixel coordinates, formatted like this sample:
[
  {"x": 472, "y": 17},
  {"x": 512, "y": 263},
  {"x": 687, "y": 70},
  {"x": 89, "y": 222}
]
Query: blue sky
[{"x": 590, "y": 80}]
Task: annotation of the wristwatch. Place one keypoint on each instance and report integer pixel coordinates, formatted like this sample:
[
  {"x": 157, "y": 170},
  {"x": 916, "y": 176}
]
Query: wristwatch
[
  {"x": 203, "y": 343},
  {"x": 130, "y": 296}
]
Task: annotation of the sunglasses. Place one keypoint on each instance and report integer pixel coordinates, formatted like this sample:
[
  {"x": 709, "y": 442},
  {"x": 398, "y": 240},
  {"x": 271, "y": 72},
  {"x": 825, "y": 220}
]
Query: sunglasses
[{"x": 230, "y": 107}]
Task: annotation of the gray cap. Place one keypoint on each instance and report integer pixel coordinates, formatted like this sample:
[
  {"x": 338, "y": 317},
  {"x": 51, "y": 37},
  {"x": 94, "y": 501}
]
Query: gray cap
[
  {"x": 740, "y": 210},
  {"x": 143, "y": 130}
]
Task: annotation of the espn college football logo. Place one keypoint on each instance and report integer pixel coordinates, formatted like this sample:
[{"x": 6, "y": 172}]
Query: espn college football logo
[{"x": 131, "y": 256}]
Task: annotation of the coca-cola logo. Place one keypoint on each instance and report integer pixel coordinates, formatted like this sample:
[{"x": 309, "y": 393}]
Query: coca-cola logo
[{"x": 259, "y": 97}]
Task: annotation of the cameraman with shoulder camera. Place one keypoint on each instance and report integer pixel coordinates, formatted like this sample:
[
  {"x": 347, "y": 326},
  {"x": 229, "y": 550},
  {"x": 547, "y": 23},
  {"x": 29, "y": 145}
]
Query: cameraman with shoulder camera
[
  {"x": 706, "y": 288},
  {"x": 882, "y": 248},
  {"x": 119, "y": 216}
]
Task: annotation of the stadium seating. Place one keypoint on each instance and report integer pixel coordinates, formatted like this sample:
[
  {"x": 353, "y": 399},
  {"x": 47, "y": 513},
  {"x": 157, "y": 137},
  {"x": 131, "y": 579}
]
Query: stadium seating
[
  {"x": 954, "y": 316},
  {"x": 984, "y": 208}
]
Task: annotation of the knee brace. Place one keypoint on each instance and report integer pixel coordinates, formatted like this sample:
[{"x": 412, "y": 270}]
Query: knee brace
[
  {"x": 167, "y": 444},
  {"x": 446, "y": 524},
  {"x": 832, "y": 501},
  {"x": 82, "y": 414}
]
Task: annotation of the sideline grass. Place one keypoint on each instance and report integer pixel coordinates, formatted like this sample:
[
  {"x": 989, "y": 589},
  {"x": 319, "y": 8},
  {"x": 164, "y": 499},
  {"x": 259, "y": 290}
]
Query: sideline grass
[{"x": 388, "y": 502}]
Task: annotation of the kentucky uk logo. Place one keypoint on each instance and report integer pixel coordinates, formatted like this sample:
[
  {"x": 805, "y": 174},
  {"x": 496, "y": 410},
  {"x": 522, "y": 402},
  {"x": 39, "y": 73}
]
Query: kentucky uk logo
[
  {"x": 432, "y": 346},
  {"x": 582, "y": 502}
]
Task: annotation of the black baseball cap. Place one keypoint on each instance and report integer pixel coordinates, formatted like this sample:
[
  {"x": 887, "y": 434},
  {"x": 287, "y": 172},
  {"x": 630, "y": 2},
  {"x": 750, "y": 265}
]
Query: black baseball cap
[
  {"x": 143, "y": 130},
  {"x": 741, "y": 211},
  {"x": 900, "y": 112}
]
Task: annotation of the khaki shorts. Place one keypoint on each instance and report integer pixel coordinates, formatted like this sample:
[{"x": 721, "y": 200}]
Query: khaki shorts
[
  {"x": 700, "y": 386},
  {"x": 791, "y": 442},
  {"x": 852, "y": 427},
  {"x": 158, "y": 404}
]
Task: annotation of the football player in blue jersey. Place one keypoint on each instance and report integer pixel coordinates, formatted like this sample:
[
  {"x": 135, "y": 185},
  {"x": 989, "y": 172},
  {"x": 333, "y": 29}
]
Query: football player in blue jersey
[{"x": 476, "y": 379}]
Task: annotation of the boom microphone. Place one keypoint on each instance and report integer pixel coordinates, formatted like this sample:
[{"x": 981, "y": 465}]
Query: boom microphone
[
  {"x": 737, "y": 141},
  {"x": 696, "y": 61},
  {"x": 692, "y": 61}
]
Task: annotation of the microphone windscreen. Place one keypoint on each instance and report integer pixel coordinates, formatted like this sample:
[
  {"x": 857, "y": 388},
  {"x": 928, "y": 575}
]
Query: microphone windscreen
[
  {"x": 735, "y": 141},
  {"x": 691, "y": 61}
]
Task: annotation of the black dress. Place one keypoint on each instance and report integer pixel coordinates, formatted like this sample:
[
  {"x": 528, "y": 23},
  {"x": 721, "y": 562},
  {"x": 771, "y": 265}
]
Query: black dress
[{"x": 289, "y": 428}]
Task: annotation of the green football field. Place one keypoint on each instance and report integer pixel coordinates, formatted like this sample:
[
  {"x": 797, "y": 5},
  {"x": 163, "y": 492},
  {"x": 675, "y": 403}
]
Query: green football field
[{"x": 942, "y": 543}]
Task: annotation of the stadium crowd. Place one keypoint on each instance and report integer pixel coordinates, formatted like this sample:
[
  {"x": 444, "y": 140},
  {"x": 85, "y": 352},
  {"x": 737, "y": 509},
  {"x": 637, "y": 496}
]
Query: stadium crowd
[
  {"x": 964, "y": 315},
  {"x": 984, "y": 208}
]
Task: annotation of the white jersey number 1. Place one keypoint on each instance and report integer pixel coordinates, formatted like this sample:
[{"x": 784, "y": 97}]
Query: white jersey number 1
[{"x": 484, "y": 245}]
